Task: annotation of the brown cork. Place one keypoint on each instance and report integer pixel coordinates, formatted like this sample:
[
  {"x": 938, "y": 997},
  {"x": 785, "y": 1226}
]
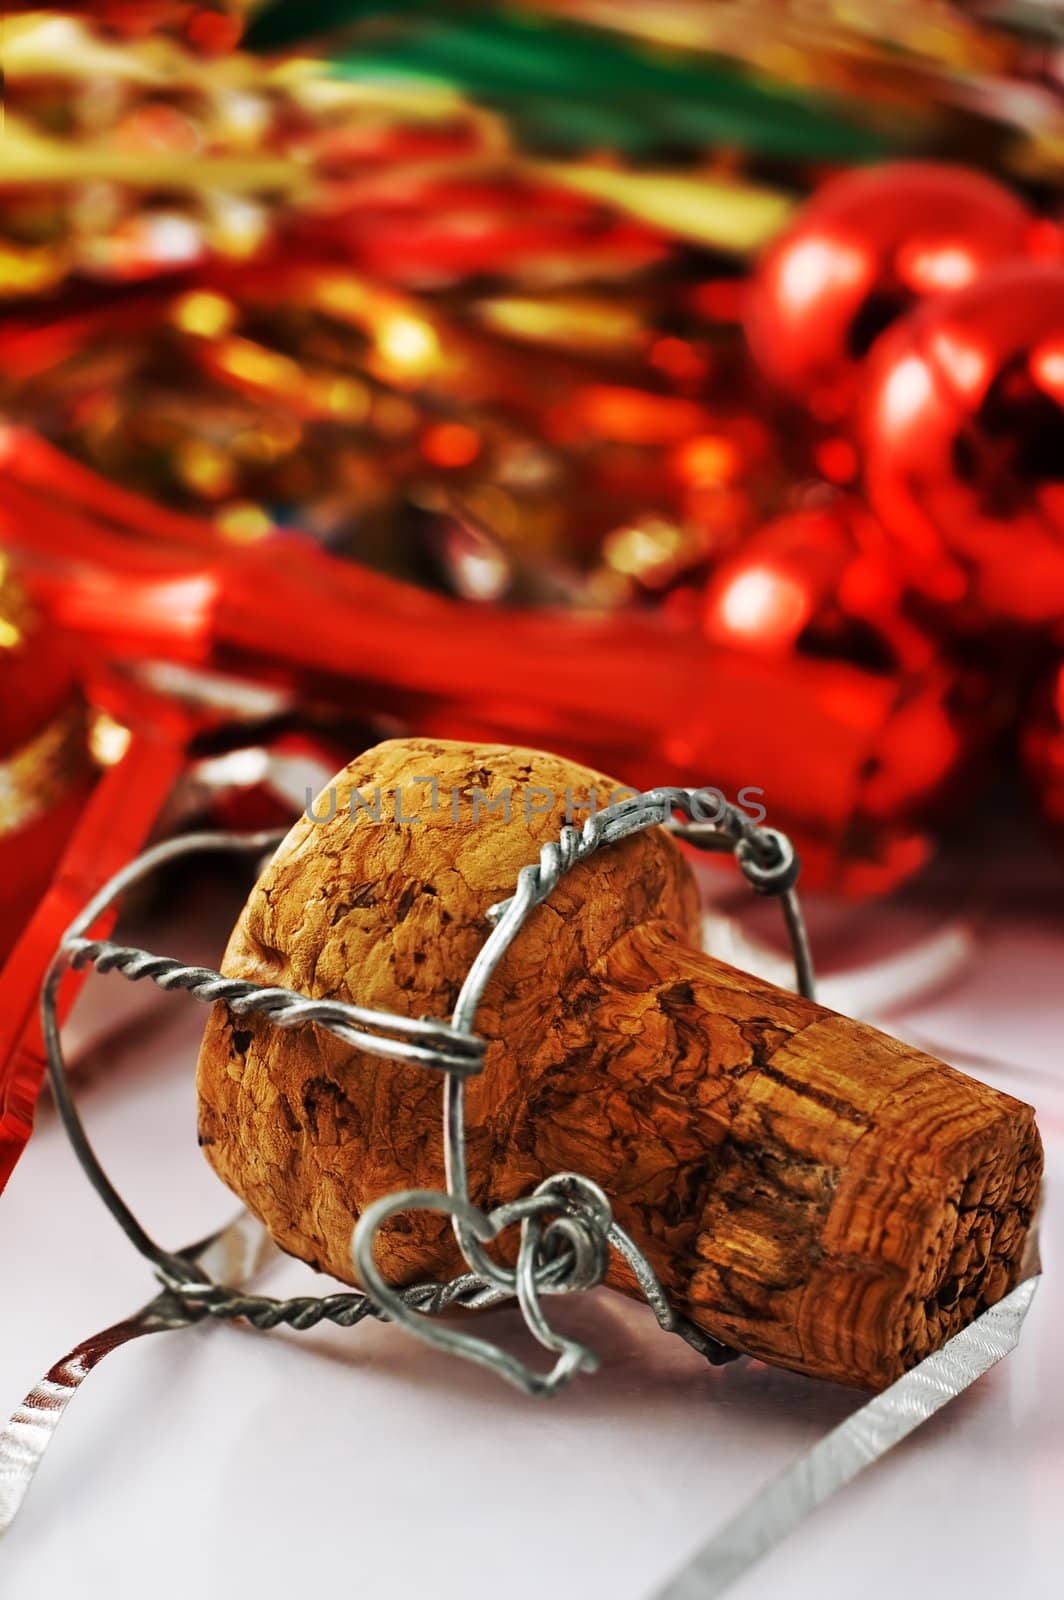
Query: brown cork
[{"x": 807, "y": 1189}]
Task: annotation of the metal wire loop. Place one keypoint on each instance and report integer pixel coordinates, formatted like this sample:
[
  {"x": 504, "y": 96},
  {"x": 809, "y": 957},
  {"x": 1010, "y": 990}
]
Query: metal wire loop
[
  {"x": 566, "y": 1226},
  {"x": 444, "y": 1050}
]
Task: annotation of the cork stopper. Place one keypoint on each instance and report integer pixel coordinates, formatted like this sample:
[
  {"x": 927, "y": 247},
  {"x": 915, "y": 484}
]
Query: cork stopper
[{"x": 806, "y": 1188}]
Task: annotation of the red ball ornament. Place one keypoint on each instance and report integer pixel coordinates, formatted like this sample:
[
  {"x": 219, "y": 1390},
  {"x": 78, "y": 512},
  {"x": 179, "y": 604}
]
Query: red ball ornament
[
  {"x": 824, "y": 582},
  {"x": 866, "y": 249},
  {"x": 823, "y": 585},
  {"x": 962, "y": 425}
]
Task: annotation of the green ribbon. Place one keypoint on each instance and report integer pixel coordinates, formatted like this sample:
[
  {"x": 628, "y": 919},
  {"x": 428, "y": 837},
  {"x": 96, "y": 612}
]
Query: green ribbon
[{"x": 567, "y": 87}]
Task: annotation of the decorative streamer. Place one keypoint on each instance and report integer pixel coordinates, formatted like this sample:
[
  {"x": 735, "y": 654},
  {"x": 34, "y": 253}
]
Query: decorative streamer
[{"x": 863, "y": 1439}]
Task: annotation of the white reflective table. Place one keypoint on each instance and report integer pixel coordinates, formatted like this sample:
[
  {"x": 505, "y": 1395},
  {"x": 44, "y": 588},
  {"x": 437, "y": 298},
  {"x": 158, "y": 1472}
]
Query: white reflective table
[{"x": 215, "y": 1462}]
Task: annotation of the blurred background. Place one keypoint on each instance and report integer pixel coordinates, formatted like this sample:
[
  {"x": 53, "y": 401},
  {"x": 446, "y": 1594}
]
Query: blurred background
[{"x": 676, "y": 386}]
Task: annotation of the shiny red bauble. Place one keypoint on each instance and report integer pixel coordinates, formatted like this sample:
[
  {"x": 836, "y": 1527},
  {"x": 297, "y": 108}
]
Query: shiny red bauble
[
  {"x": 822, "y": 581},
  {"x": 818, "y": 592},
  {"x": 962, "y": 430},
  {"x": 866, "y": 249}
]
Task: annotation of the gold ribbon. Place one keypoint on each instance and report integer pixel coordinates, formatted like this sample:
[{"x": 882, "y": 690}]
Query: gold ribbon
[{"x": 41, "y": 773}]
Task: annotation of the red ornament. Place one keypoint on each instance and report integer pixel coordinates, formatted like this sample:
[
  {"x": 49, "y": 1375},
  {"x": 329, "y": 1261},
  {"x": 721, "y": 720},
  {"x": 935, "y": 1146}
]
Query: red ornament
[
  {"x": 823, "y": 582},
  {"x": 868, "y": 247},
  {"x": 823, "y": 586},
  {"x": 962, "y": 424}
]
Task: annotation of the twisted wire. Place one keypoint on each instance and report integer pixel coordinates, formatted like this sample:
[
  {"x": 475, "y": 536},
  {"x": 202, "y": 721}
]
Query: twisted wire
[
  {"x": 770, "y": 864},
  {"x": 345, "y": 1310},
  {"x": 350, "y": 1307},
  {"x": 767, "y": 858},
  {"x": 444, "y": 1048},
  {"x": 558, "y": 856},
  {"x": 562, "y": 1255}
]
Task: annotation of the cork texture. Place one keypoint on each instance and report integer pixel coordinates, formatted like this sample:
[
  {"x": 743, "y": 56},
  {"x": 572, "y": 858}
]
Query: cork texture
[{"x": 807, "y": 1188}]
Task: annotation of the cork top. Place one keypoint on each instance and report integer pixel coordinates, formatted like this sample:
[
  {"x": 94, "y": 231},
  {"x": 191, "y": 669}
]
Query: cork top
[{"x": 381, "y": 901}]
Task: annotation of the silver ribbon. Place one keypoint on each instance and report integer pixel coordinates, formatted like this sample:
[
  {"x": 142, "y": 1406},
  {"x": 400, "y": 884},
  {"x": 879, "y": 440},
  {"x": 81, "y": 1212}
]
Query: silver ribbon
[
  {"x": 865, "y": 1437},
  {"x": 235, "y": 1255}
]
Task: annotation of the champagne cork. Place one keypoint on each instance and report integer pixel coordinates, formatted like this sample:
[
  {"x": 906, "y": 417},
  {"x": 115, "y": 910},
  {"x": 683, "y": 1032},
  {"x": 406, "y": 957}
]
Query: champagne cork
[{"x": 807, "y": 1189}]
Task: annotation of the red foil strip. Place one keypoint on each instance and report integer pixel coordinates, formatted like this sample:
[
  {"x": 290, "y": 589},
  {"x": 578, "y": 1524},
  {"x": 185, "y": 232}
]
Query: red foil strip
[
  {"x": 851, "y": 760},
  {"x": 45, "y": 765},
  {"x": 113, "y": 826}
]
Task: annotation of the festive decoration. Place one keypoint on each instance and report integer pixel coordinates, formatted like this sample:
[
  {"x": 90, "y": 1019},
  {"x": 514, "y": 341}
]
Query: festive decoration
[
  {"x": 963, "y": 433},
  {"x": 45, "y": 762},
  {"x": 852, "y": 755},
  {"x": 455, "y": 302},
  {"x": 129, "y": 161},
  {"x": 869, "y": 246},
  {"x": 825, "y": 585},
  {"x": 211, "y": 26},
  {"x": 824, "y": 582},
  {"x": 752, "y": 76},
  {"x": 164, "y": 758},
  {"x": 139, "y": 747},
  {"x": 700, "y": 1099},
  {"x": 405, "y": 433},
  {"x": 911, "y": 74},
  {"x": 574, "y": 89}
]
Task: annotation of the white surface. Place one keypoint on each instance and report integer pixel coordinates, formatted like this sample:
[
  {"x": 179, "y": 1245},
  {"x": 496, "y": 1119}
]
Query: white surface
[{"x": 220, "y": 1463}]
